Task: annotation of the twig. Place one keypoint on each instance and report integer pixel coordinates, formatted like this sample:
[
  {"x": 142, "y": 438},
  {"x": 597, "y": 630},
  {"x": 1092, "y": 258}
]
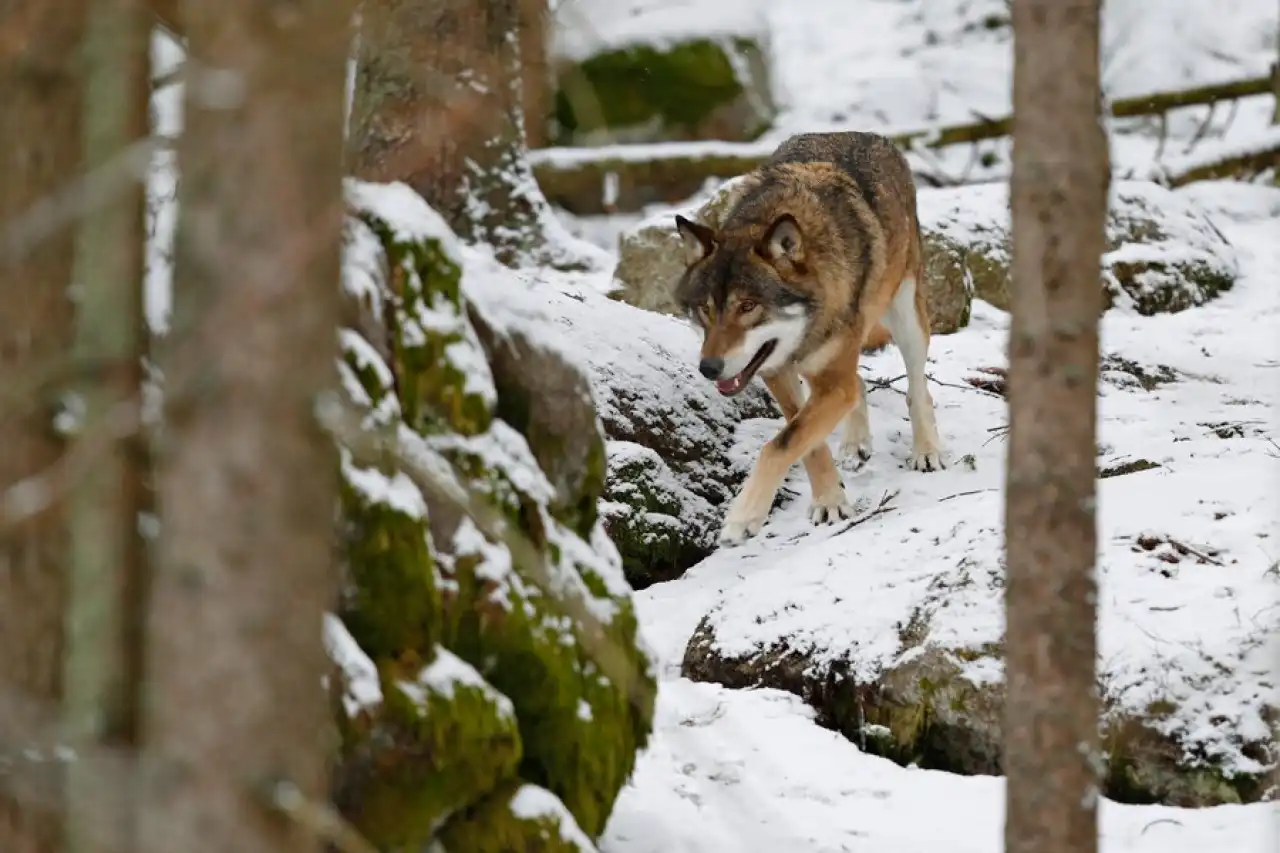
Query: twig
[
  {"x": 996, "y": 432},
  {"x": 885, "y": 384},
  {"x": 1199, "y": 135},
  {"x": 1187, "y": 551},
  {"x": 880, "y": 509},
  {"x": 973, "y": 388},
  {"x": 965, "y": 494}
]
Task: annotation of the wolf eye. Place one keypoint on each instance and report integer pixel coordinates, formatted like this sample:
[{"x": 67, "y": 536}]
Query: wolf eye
[{"x": 746, "y": 306}]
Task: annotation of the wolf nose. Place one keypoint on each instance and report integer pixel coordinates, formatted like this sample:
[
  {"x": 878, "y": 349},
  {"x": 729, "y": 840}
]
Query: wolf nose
[{"x": 711, "y": 367}]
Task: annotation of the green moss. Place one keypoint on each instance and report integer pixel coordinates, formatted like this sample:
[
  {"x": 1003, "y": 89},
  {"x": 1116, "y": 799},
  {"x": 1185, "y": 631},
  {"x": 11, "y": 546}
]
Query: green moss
[
  {"x": 493, "y": 827},
  {"x": 434, "y": 391},
  {"x": 656, "y": 535},
  {"x": 1159, "y": 287},
  {"x": 678, "y": 87},
  {"x": 429, "y": 751},
  {"x": 574, "y": 731},
  {"x": 580, "y": 730},
  {"x": 393, "y": 606}
]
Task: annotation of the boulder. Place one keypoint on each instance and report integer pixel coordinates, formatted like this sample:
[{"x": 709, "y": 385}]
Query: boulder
[
  {"x": 661, "y": 527},
  {"x": 679, "y": 81},
  {"x": 484, "y": 607},
  {"x": 517, "y": 819},
  {"x": 894, "y": 635},
  {"x": 650, "y": 255},
  {"x": 1164, "y": 253},
  {"x": 670, "y": 453},
  {"x": 650, "y": 262}
]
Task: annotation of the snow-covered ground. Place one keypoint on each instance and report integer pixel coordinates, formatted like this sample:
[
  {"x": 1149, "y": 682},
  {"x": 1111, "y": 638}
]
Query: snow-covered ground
[{"x": 751, "y": 771}]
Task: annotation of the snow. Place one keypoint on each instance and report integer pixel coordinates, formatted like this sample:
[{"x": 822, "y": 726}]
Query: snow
[
  {"x": 585, "y": 29},
  {"x": 752, "y": 771},
  {"x": 364, "y": 690},
  {"x": 394, "y": 491},
  {"x": 448, "y": 672},
  {"x": 749, "y": 771},
  {"x": 530, "y": 802}
]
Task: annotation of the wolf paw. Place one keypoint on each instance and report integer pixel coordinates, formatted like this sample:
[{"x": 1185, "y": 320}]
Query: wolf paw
[
  {"x": 926, "y": 459},
  {"x": 830, "y": 508},
  {"x": 743, "y": 520},
  {"x": 859, "y": 450},
  {"x": 736, "y": 532}
]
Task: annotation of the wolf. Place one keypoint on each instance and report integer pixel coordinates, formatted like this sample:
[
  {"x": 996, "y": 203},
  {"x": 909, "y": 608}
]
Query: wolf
[{"x": 818, "y": 259}]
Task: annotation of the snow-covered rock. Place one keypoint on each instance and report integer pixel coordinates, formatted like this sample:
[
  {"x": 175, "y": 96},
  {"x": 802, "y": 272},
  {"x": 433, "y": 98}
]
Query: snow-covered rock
[
  {"x": 892, "y": 628},
  {"x": 630, "y": 71},
  {"x": 1164, "y": 254},
  {"x": 671, "y": 437},
  {"x": 485, "y": 620}
]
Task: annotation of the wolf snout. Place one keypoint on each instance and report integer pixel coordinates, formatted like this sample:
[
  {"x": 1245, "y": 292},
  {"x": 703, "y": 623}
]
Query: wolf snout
[{"x": 711, "y": 367}]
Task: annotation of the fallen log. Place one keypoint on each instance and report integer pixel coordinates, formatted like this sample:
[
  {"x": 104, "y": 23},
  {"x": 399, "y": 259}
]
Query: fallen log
[
  {"x": 1222, "y": 161},
  {"x": 625, "y": 178}
]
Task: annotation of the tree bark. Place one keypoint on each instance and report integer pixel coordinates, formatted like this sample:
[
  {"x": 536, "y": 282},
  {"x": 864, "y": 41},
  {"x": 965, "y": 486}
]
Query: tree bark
[
  {"x": 439, "y": 104},
  {"x": 537, "y": 74},
  {"x": 106, "y": 567},
  {"x": 246, "y": 480},
  {"x": 40, "y": 141},
  {"x": 1059, "y": 198}
]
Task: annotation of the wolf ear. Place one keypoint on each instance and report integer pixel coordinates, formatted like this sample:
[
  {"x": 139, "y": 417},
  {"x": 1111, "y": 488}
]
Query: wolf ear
[
  {"x": 699, "y": 240},
  {"x": 783, "y": 241}
]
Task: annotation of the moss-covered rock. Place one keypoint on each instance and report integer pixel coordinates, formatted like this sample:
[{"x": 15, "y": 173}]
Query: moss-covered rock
[
  {"x": 941, "y": 707},
  {"x": 642, "y": 368},
  {"x": 660, "y": 527},
  {"x": 713, "y": 87},
  {"x": 650, "y": 255},
  {"x": 1163, "y": 252},
  {"x": 548, "y": 399},
  {"x": 391, "y": 602},
  {"x": 516, "y": 819},
  {"x": 440, "y": 739},
  {"x": 506, "y": 646}
]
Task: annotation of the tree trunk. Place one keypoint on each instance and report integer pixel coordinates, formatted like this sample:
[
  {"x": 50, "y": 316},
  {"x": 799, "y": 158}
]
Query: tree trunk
[
  {"x": 246, "y": 480},
  {"x": 106, "y": 569},
  {"x": 439, "y": 105},
  {"x": 537, "y": 77},
  {"x": 1059, "y": 198},
  {"x": 40, "y": 143}
]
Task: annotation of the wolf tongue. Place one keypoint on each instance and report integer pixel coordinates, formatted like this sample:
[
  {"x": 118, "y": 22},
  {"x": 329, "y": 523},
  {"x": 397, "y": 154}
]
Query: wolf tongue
[{"x": 729, "y": 386}]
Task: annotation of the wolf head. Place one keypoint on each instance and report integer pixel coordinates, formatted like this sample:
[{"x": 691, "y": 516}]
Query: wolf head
[{"x": 741, "y": 288}]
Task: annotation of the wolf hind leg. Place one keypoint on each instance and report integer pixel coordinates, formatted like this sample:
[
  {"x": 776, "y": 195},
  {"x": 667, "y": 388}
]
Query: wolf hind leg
[
  {"x": 909, "y": 325},
  {"x": 856, "y": 441}
]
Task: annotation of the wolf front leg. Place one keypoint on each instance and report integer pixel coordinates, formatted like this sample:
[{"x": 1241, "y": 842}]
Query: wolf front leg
[
  {"x": 829, "y": 502},
  {"x": 834, "y": 394}
]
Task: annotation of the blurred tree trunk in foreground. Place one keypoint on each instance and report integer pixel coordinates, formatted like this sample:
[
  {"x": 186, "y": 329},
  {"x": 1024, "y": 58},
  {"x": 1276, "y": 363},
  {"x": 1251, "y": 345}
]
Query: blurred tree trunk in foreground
[
  {"x": 536, "y": 74},
  {"x": 106, "y": 570},
  {"x": 40, "y": 145},
  {"x": 1059, "y": 198},
  {"x": 246, "y": 480},
  {"x": 439, "y": 104}
]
